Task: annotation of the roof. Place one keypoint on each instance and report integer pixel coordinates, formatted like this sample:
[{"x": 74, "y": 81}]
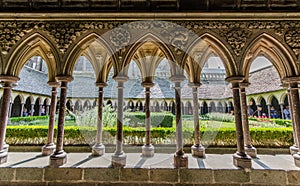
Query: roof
[{"x": 147, "y": 5}]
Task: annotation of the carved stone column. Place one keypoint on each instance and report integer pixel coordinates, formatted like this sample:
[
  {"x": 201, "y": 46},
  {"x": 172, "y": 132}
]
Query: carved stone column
[
  {"x": 180, "y": 159},
  {"x": 59, "y": 157},
  {"x": 249, "y": 149},
  {"x": 99, "y": 149},
  {"x": 22, "y": 109},
  {"x": 47, "y": 110},
  {"x": 281, "y": 110},
  {"x": 7, "y": 86},
  {"x": 295, "y": 108},
  {"x": 50, "y": 147},
  {"x": 269, "y": 111},
  {"x": 294, "y": 148},
  {"x": 147, "y": 149},
  {"x": 240, "y": 158},
  {"x": 119, "y": 157},
  {"x": 31, "y": 109},
  {"x": 197, "y": 149}
]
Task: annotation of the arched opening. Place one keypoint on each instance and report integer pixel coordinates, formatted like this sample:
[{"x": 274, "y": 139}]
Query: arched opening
[
  {"x": 212, "y": 107},
  {"x": 164, "y": 106},
  {"x": 220, "y": 107},
  {"x": 252, "y": 111},
  {"x": 27, "y": 107},
  {"x": 37, "y": 107},
  {"x": 172, "y": 107},
  {"x": 204, "y": 108},
  {"x": 275, "y": 111},
  {"x": 16, "y": 107},
  {"x": 69, "y": 105},
  {"x": 263, "y": 108},
  {"x": 77, "y": 107},
  {"x": 109, "y": 103},
  {"x": 189, "y": 108}
]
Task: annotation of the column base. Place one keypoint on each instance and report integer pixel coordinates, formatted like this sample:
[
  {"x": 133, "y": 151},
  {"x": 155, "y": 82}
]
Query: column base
[
  {"x": 294, "y": 149},
  {"x": 48, "y": 149},
  {"x": 118, "y": 160},
  {"x": 98, "y": 150},
  {"x": 251, "y": 151},
  {"x": 57, "y": 160},
  {"x": 198, "y": 151},
  {"x": 3, "y": 156},
  {"x": 242, "y": 161},
  {"x": 180, "y": 161},
  {"x": 5, "y": 147},
  {"x": 297, "y": 159},
  {"x": 148, "y": 150}
]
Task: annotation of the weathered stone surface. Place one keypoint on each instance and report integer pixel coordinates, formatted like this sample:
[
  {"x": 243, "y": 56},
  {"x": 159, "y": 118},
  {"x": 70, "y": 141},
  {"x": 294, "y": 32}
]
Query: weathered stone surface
[
  {"x": 134, "y": 175},
  {"x": 164, "y": 175},
  {"x": 195, "y": 176},
  {"x": 71, "y": 184},
  {"x": 104, "y": 174},
  {"x": 7, "y": 174},
  {"x": 270, "y": 177},
  {"x": 231, "y": 176},
  {"x": 293, "y": 177},
  {"x": 29, "y": 174},
  {"x": 56, "y": 174}
]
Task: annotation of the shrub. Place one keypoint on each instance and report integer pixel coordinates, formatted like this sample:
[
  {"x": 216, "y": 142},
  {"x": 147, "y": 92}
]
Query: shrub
[
  {"x": 28, "y": 120},
  {"x": 221, "y": 117},
  {"x": 137, "y": 119}
]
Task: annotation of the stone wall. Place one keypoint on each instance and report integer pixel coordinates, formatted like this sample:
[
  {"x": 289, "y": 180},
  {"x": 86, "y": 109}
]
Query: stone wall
[{"x": 135, "y": 177}]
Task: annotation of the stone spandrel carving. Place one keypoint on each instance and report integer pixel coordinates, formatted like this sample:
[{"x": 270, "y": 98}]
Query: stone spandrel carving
[
  {"x": 292, "y": 38},
  {"x": 120, "y": 37}
]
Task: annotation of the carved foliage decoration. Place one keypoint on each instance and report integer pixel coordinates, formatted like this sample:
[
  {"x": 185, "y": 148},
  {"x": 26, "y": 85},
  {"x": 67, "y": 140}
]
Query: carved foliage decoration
[
  {"x": 292, "y": 38},
  {"x": 120, "y": 37}
]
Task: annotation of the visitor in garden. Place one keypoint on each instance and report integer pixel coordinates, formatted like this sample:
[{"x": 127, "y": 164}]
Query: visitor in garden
[
  {"x": 273, "y": 113},
  {"x": 25, "y": 113},
  {"x": 286, "y": 112}
]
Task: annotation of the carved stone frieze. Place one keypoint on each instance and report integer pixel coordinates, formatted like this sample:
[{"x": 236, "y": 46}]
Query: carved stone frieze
[
  {"x": 292, "y": 38},
  {"x": 120, "y": 37}
]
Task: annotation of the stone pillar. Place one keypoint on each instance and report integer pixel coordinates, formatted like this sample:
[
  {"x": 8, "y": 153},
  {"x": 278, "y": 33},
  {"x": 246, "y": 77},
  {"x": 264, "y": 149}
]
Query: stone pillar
[
  {"x": 180, "y": 159},
  {"x": 119, "y": 157},
  {"x": 294, "y": 148},
  {"x": 7, "y": 86},
  {"x": 47, "y": 110},
  {"x": 22, "y": 109},
  {"x": 240, "y": 158},
  {"x": 59, "y": 157},
  {"x": 40, "y": 109},
  {"x": 197, "y": 149},
  {"x": 269, "y": 111},
  {"x": 147, "y": 149},
  {"x": 281, "y": 110},
  {"x": 249, "y": 149},
  {"x": 50, "y": 147},
  {"x": 295, "y": 110},
  {"x": 99, "y": 149},
  {"x": 32, "y": 110}
]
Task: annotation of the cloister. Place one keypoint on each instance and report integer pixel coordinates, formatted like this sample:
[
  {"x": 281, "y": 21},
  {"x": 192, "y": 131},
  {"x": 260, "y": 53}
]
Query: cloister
[{"x": 186, "y": 39}]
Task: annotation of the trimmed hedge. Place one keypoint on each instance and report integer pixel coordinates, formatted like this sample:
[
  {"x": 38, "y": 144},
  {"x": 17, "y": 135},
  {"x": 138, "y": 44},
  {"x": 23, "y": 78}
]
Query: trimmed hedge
[
  {"x": 261, "y": 137},
  {"x": 157, "y": 119},
  {"x": 28, "y": 118}
]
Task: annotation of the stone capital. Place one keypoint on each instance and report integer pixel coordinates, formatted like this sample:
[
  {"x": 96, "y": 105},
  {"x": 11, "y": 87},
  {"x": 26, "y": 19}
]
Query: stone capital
[
  {"x": 121, "y": 78},
  {"x": 194, "y": 84},
  {"x": 177, "y": 78},
  {"x": 65, "y": 78},
  {"x": 9, "y": 79},
  {"x": 53, "y": 84},
  {"x": 235, "y": 79},
  {"x": 147, "y": 84},
  {"x": 289, "y": 80},
  {"x": 244, "y": 84},
  {"x": 101, "y": 84}
]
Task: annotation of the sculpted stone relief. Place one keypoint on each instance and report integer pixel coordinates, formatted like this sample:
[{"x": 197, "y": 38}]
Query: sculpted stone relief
[{"x": 235, "y": 33}]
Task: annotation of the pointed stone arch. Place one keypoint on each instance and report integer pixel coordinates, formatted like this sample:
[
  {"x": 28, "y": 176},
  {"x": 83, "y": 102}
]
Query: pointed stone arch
[
  {"x": 208, "y": 44},
  {"x": 35, "y": 44},
  {"x": 152, "y": 38},
  {"x": 269, "y": 47},
  {"x": 87, "y": 46}
]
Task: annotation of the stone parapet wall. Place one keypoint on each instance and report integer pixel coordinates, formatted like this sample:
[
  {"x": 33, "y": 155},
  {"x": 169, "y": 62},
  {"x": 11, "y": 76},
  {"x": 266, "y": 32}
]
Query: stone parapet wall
[{"x": 133, "y": 176}]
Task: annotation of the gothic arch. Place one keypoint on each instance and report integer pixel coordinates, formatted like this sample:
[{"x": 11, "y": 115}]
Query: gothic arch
[
  {"x": 282, "y": 98},
  {"x": 35, "y": 44},
  {"x": 269, "y": 47},
  {"x": 88, "y": 46},
  {"x": 152, "y": 38},
  {"x": 210, "y": 44}
]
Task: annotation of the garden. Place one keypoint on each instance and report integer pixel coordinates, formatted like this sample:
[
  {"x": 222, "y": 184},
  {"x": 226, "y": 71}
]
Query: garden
[{"x": 216, "y": 129}]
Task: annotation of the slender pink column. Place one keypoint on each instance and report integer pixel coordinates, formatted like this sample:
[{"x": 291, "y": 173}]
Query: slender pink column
[
  {"x": 180, "y": 159},
  {"x": 59, "y": 157},
  {"x": 119, "y": 157},
  {"x": 147, "y": 149},
  {"x": 5, "y": 104},
  {"x": 99, "y": 149},
  {"x": 49, "y": 147},
  {"x": 197, "y": 149},
  {"x": 249, "y": 149}
]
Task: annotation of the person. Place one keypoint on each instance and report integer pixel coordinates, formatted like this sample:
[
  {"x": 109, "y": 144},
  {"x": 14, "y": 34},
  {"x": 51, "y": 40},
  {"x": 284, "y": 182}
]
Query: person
[
  {"x": 286, "y": 112},
  {"x": 25, "y": 113},
  {"x": 273, "y": 113},
  {"x": 43, "y": 111}
]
